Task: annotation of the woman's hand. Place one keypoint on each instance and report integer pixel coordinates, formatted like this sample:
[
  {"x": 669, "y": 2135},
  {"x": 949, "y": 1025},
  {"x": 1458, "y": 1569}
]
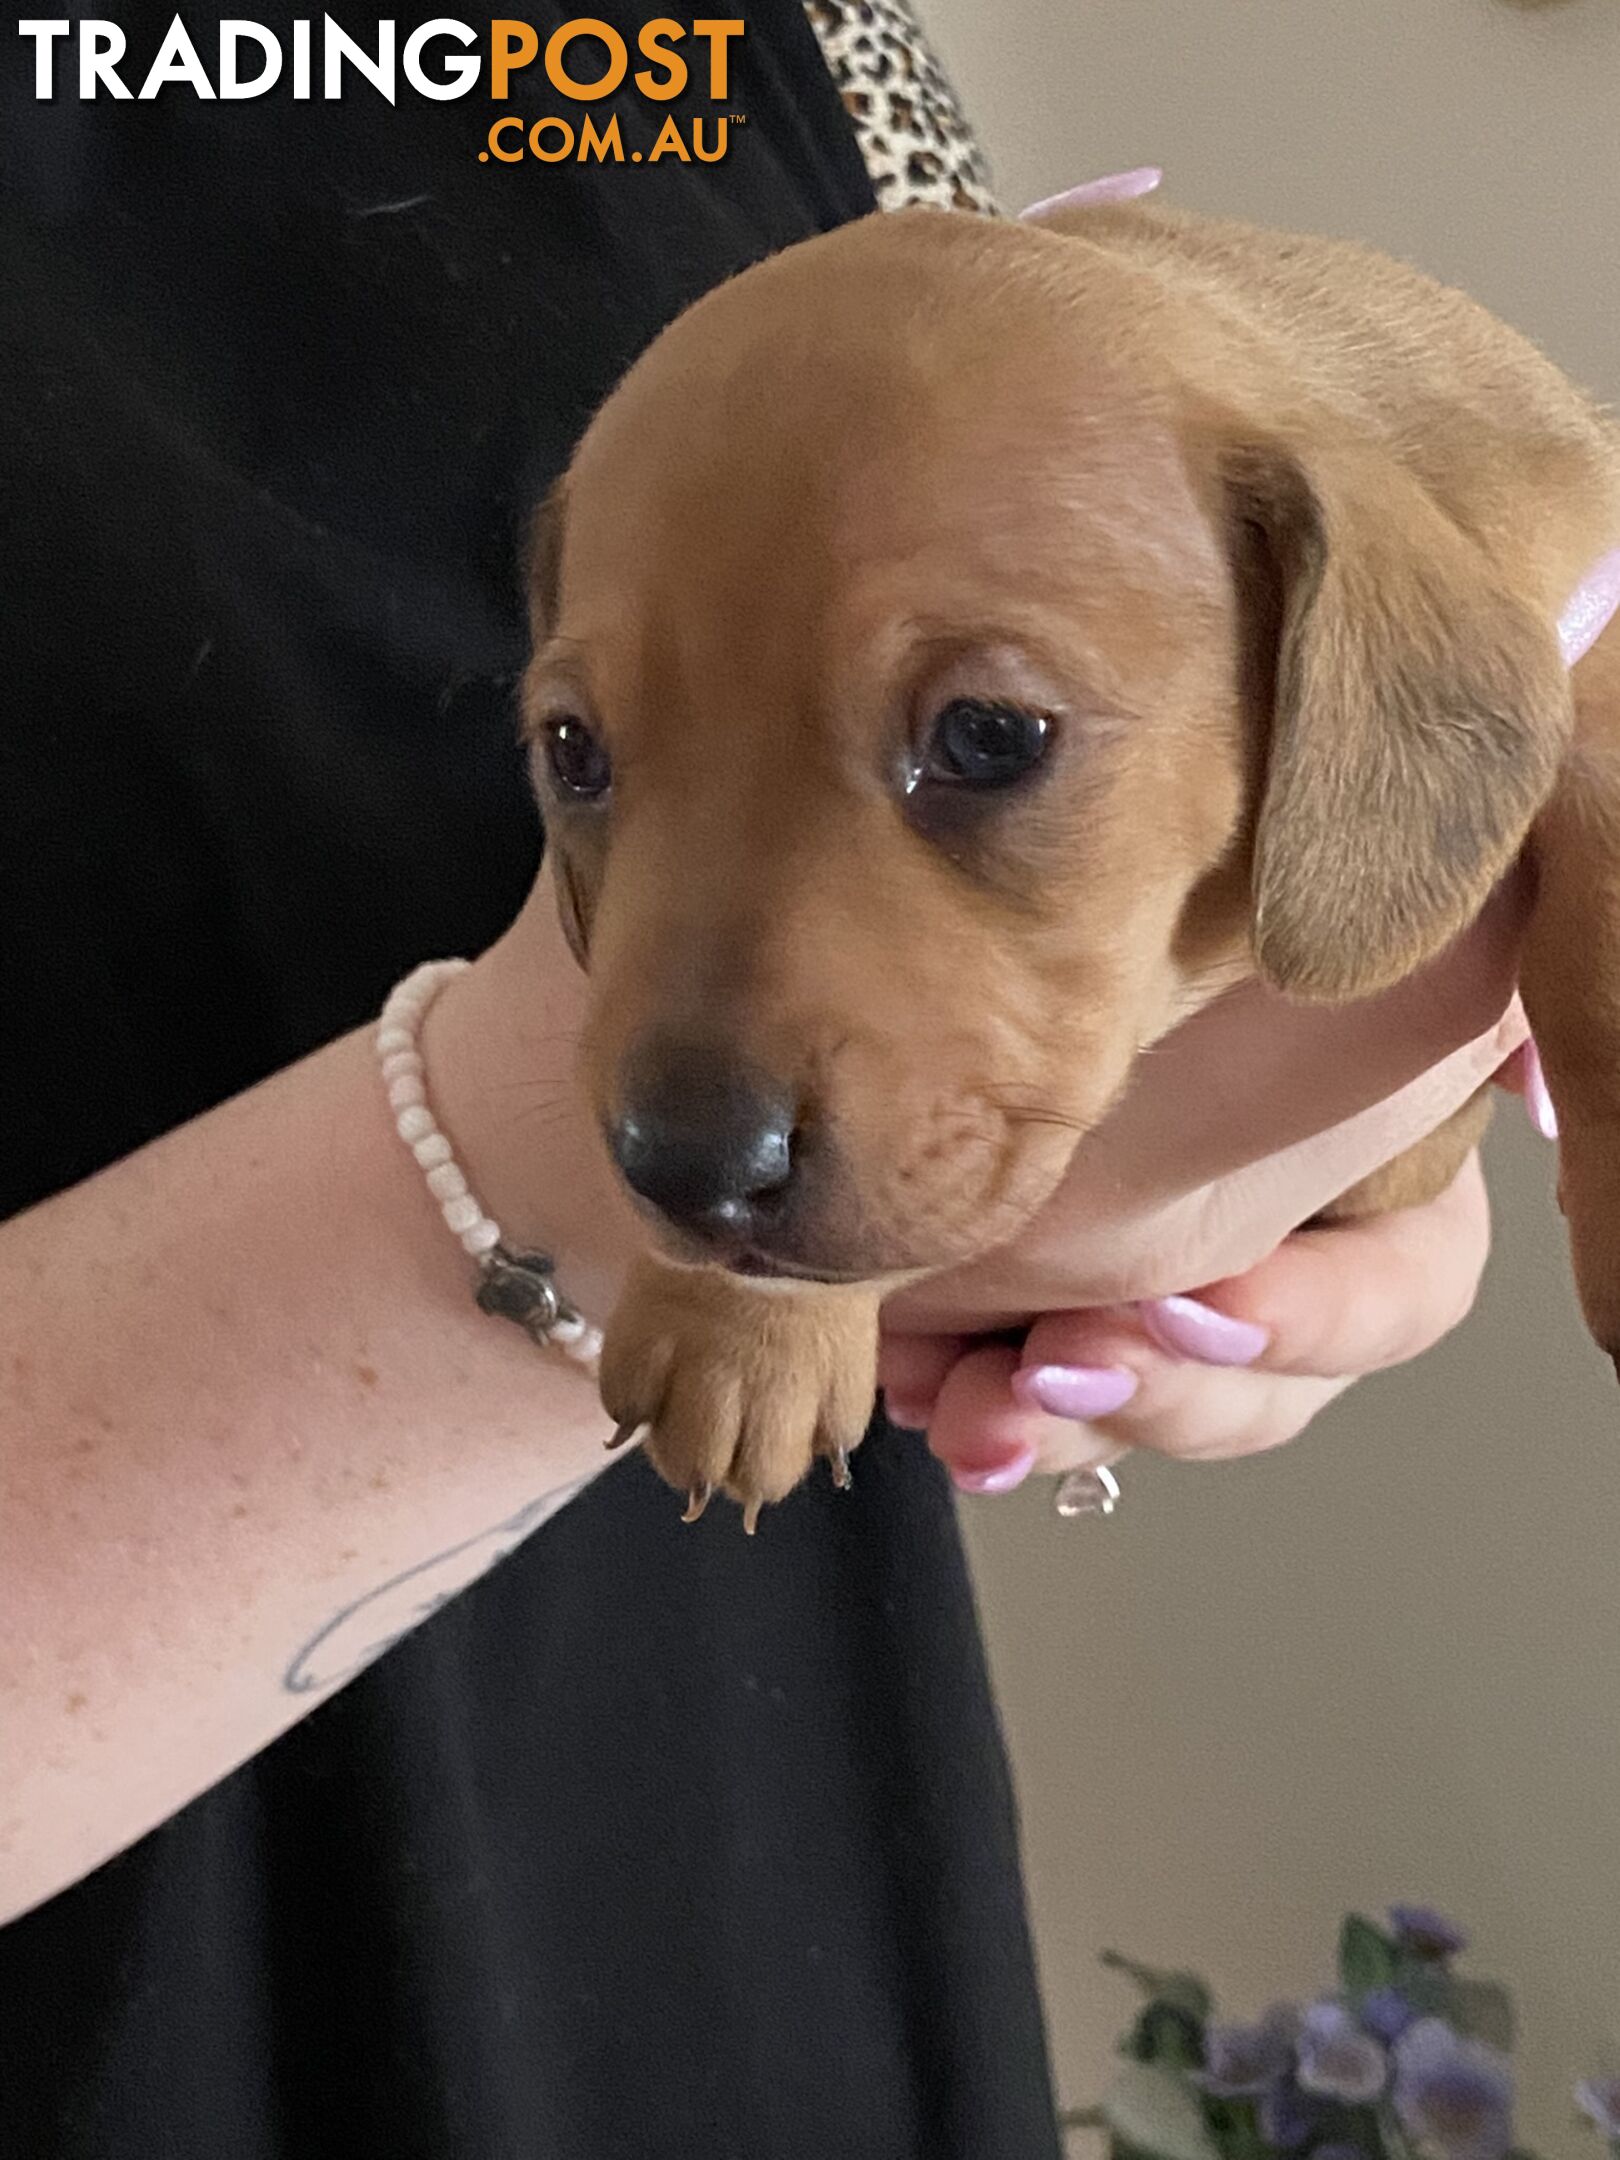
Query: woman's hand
[
  {"x": 1243, "y": 1367},
  {"x": 1242, "y": 1124}
]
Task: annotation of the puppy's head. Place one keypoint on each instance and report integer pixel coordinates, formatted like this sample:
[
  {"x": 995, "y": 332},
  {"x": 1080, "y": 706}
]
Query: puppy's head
[{"x": 933, "y": 677}]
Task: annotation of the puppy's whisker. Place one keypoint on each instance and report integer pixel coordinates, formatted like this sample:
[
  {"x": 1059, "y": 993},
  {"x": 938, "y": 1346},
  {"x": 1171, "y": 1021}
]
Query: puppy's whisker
[
  {"x": 528, "y": 1082},
  {"x": 551, "y": 1113},
  {"x": 1035, "y": 1113},
  {"x": 547, "y": 1116}
]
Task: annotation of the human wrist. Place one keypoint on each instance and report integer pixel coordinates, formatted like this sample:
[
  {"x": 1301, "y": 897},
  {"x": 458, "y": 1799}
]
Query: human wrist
[{"x": 501, "y": 1049}]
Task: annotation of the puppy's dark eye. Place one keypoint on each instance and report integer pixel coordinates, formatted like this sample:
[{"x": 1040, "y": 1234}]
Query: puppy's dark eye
[
  {"x": 578, "y": 762},
  {"x": 973, "y": 743}
]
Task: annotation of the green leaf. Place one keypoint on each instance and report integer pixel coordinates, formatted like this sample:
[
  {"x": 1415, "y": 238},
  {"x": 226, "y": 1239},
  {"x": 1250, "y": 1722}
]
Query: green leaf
[
  {"x": 1236, "y": 2133},
  {"x": 1155, "y": 2111},
  {"x": 1395, "y": 2140},
  {"x": 1183, "y": 1991},
  {"x": 1428, "y": 1987},
  {"x": 1483, "y": 2011},
  {"x": 1165, "y": 2034},
  {"x": 1119, "y": 2150},
  {"x": 1368, "y": 1959}
]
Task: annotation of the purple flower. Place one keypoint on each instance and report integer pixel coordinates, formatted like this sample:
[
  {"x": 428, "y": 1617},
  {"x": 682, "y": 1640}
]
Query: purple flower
[
  {"x": 1286, "y": 2118},
  {"x": 1426, "y": 1933},
  {"x": 1600, "y": 2098},
  {"x": 1387, "y": 2013},
  {"x": 1454, "y": 2097},
  {"x": 1337, "y": 2059},
  {"x": 1241, "y": 2061}
]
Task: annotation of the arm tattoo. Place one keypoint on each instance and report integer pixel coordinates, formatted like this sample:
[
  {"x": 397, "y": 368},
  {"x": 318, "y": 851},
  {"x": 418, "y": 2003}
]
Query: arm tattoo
[{"x": 363, "y": 1630}]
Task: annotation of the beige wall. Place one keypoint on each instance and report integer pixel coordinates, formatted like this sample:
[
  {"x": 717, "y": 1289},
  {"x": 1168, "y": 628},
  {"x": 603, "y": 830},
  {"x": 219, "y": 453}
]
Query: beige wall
[{"x": 1387, "y": 1662}]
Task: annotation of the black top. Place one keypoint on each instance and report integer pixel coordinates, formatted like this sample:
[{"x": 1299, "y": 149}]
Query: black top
[{"x": 653, "y": 1843}]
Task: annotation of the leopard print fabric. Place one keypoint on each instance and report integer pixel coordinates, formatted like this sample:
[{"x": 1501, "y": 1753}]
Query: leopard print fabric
[{"x": 912, "y": 131}]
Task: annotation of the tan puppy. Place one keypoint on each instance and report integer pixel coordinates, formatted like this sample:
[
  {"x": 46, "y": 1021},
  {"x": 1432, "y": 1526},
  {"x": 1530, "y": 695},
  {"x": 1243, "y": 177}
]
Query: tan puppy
[{"x": 965, "y": 648}]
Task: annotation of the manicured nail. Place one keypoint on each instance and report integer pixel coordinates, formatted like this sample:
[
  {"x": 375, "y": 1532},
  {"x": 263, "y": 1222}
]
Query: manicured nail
[
  {"x": 1076, "y": 1392},
  {"x": 998, "y": 1478},
  {"x": 1590, "y": 608},
  {"x": 1189, "y": 1329},
  {"x": 1536, "y": 1098},
  {"x": 1115, "y": 188}
]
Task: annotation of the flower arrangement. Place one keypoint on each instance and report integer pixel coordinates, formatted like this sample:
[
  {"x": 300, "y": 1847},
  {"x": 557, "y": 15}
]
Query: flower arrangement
[{"x": 1408, "y": 2060}]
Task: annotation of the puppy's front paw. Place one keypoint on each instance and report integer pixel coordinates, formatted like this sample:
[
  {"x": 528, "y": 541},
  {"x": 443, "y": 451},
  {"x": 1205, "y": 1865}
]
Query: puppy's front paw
[{"x": 740, "y": 1388}]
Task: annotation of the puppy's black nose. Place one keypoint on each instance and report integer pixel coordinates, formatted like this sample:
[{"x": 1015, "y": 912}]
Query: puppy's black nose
[{"x": 705, "y": 1142}]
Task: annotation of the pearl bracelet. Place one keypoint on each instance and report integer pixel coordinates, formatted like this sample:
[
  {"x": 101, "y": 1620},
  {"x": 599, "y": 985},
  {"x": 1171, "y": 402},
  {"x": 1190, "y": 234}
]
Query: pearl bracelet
[{"x": 517, "y": 1286}]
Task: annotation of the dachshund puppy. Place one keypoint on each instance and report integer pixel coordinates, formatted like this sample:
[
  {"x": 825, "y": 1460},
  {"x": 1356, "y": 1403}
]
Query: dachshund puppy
[{"x": 962, "y": 650}]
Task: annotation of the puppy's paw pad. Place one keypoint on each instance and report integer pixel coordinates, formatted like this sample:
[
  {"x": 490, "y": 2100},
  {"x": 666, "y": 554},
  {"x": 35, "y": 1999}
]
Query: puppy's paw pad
[{"x": 739, "y": 1393}]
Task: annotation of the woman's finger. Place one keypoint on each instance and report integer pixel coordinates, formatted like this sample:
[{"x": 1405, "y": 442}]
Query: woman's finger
[
  {"x": 1346, "y": 1299},
  {"x": 1242, "y": 1368},
  {"x": 1234, "y": 1414},
  {"x": 1133, "y": 1392},
  {"x": 1522, "y": 1075},
  {"x": 992, "y": 1431},
  {"x": 911, "y": 1372},
  {"x": 1334, "y": 1303},
  {"x": 987, "y": 1438}
]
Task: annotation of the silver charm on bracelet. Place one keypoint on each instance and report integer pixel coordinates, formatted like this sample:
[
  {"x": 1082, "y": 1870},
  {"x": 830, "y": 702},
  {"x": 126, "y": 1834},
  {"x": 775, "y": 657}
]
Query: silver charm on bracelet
[{"x": 513, "y": 1285}]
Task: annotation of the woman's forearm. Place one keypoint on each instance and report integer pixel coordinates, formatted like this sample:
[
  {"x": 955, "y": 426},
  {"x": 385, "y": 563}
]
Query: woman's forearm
[{"x": 254, "y": 1427}]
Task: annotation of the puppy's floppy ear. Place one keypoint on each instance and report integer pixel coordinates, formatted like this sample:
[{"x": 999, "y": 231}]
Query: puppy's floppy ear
[{"x": 1419, "y": 713}]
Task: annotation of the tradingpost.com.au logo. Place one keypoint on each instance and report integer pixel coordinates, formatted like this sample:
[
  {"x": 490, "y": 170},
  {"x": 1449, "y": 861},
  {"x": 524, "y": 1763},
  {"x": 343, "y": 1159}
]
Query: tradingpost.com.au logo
[{"x": 581, "y": 62}]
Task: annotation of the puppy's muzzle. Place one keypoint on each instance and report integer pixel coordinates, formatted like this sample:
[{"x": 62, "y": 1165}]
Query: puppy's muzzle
[{"x": 708, "y": 1143}]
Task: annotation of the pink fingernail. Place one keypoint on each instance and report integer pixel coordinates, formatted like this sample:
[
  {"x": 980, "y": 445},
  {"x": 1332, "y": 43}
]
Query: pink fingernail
[
  {"x": 1114, "y": 187},
  {"x": 909, "y": 1416},
  {"x": 1075, "y": 1391},
  {"x": 1590, "y": 608},
  {"x": 1536, "y": 1098},
  {"x": 1189, "y": 1329},
  {"x": 1003, "y": 1477}
]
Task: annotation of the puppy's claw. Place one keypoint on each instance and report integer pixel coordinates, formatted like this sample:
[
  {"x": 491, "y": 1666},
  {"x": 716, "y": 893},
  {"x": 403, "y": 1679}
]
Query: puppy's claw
[
  {"x": 696, "y": 1501},
  {"x": 751, "y": 1517},
  {"x": 631, "y": 1429},
  {"x": 842, "y": 1476}
]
